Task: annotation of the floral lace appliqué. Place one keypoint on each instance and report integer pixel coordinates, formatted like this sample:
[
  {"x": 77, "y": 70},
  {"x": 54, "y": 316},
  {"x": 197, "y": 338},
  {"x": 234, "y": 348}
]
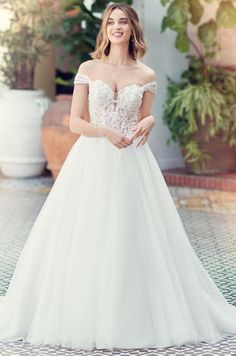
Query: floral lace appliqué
[{"x": 117, "y": 110}]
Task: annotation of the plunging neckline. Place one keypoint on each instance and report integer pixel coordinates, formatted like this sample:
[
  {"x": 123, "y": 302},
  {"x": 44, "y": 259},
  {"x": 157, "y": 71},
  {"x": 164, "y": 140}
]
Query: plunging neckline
[{"x": 117, "y": 93}]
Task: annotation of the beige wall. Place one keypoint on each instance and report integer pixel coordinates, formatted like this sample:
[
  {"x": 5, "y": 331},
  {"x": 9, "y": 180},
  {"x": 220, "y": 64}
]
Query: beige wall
[
  {"x": 226, "y": 37},
  {"x": 45, "y": 74}
]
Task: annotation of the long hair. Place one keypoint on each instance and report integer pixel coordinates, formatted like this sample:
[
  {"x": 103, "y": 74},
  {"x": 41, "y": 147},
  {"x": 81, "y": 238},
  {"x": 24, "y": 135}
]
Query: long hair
[{"x": 137, "y": 45}]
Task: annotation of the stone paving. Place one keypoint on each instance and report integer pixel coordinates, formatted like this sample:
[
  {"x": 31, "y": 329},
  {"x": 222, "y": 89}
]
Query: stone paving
[{"x": 210, "y": 221}]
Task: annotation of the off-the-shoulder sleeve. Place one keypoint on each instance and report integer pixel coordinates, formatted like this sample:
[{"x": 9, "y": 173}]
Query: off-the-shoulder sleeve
[
  {"x": 81, "y": 79},
  {"x": 152, "y": 87}
]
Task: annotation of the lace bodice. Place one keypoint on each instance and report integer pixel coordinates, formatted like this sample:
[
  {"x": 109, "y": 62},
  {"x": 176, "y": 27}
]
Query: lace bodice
[{"x": 117, "y": 110}]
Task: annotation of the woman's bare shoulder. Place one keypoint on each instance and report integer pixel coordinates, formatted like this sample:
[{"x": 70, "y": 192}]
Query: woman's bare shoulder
[
  {"x": 87, "y": 66},
  {"x": 146, "y": 73}
]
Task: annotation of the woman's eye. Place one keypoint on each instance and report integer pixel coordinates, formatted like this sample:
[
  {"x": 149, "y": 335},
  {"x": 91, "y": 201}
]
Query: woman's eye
[{"x": 123, "y": 22}]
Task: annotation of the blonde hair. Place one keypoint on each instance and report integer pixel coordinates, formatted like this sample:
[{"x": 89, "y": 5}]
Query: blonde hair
[{"x": 137, "y": 45}]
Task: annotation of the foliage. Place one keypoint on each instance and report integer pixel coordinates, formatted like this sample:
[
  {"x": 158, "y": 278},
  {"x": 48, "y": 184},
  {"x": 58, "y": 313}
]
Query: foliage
[
  {"x": 195, "y": 102},
  {"x": 206, "y": 95},
  {"x": 32, "y": 26},
  {"x": 182, "y": 12},
  {"x": 79, "y": 29}
]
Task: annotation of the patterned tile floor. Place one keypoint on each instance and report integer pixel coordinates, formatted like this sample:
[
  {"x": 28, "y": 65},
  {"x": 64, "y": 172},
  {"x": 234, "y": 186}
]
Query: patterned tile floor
[{"x": 210, "y": 221}]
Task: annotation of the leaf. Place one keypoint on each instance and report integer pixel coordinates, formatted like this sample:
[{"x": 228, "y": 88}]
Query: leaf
[
  {"x": 97, "y": 7},
  {"x": 164, "y": 2},
  {"x": 211, "y": 55},
  {"x": 207, "y": 33},
  {"x": 196, "y": 11},
  {"x": 165, "y": 23},
  {"x": 178, "y": 15},
  {"x": 182, "y": 42},
  {"x": 226, "y": 15}
]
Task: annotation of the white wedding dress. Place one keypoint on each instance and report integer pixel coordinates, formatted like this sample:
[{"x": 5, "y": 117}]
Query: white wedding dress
[{"x": 107, "y": 263}]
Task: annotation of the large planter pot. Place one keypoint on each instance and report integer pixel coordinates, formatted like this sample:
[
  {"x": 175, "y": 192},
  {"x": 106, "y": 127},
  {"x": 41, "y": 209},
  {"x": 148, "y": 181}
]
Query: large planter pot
[
  {"x": 223, "y": 156},
  {"x": 21, "y": 149},
  {"x": 56, "y": 135}
]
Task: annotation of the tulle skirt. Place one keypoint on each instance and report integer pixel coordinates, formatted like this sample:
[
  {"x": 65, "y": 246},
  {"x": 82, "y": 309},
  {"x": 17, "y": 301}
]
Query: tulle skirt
[{"x": 107, "y": 263}]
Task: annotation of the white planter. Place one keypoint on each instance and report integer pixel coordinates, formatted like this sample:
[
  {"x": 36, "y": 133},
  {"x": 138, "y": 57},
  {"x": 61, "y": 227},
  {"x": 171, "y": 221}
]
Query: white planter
[{"x": 21, "y": 150}]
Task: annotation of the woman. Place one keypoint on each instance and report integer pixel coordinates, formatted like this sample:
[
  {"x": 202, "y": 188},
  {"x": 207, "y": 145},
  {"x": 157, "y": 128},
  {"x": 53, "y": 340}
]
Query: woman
[{"x": 107, "y": 263}]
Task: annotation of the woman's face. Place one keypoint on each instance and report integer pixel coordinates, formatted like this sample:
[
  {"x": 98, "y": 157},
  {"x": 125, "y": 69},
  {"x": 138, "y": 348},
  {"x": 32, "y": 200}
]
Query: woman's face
[{"x": 118, "y": 28}]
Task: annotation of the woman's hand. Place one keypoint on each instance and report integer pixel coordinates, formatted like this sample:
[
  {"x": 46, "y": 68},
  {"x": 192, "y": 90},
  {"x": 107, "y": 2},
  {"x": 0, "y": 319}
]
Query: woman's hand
[
  {"x": 117, "y": 138},
  {"x": 143, "y": 129}
]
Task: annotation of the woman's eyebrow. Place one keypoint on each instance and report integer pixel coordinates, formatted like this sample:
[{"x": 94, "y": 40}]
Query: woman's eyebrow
[{"x": 121, "y": 18}]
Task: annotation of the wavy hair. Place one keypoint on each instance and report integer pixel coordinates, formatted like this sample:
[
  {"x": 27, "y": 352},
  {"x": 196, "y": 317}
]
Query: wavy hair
[{"x": 137, "y": 45}]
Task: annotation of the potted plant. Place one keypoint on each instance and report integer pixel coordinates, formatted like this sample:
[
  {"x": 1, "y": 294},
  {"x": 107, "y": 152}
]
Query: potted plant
[
  {"x": 201, "y": 109},
  {"x": 31, "y": 27},
  {"x": 75, "y": 40}
]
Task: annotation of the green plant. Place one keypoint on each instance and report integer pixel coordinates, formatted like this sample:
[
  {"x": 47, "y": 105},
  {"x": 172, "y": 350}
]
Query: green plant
[
  {"x": 206, "y": 95},
  {"x": 182, "y": 12},
  {"x": 32, "y": 26},
  {"x": 194, "y": 102}
]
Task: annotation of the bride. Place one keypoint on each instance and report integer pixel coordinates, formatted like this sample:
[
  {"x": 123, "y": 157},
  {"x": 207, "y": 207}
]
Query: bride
[{"x": 107, "y": 263}]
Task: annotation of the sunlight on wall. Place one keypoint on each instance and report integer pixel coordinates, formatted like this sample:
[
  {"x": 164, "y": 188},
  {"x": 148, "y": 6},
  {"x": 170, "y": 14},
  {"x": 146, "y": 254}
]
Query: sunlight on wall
[{"x": 5, "y": 16}]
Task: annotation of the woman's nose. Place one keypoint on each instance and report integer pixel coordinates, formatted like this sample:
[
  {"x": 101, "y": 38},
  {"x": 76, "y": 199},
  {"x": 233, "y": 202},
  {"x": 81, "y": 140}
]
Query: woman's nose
[{"x": 117, "y": 26}]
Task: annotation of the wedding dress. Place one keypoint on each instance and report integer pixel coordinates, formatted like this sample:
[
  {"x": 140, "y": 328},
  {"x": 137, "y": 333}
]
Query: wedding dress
[{"x": 107, "y": 263}]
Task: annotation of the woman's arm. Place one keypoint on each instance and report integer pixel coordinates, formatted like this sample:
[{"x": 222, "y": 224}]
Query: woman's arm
[
  {"x": 146, "y": 106},
  {"x": 146, "y": 120},
  {"x": 79, "y": 114}
]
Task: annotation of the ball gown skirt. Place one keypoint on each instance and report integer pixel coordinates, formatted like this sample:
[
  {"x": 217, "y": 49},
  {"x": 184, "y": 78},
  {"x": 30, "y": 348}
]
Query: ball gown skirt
[{"x": 108, "y": 264}]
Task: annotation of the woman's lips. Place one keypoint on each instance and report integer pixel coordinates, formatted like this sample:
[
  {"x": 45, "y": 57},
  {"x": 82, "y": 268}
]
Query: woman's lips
[{"x": 117, "y": 34}]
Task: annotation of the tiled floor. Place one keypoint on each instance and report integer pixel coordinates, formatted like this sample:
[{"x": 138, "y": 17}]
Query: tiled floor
[{"x": 210, "y": 221}]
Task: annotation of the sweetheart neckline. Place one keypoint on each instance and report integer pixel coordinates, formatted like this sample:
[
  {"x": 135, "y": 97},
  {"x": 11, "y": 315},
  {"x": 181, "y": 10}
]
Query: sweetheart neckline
[{"x": 119, "y": 91}]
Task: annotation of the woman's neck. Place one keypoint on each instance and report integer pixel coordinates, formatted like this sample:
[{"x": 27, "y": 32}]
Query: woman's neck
[{"x": 119, "y": 55}]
